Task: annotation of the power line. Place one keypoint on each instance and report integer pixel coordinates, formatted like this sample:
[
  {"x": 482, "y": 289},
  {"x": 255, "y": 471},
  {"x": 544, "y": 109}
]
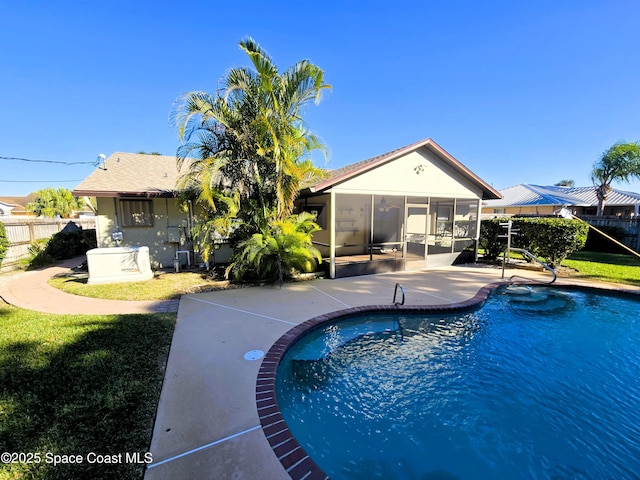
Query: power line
[
  {"x": 48, "y": 161},
  {"x": 40, "y": 181}
]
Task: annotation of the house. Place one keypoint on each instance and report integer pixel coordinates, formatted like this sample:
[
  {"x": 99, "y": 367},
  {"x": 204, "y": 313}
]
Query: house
[
  {"x": 6, "y": 208},
  {"x": 16, "y": 206},
  {"x": 410, "y": 208},
  {"x": 525, "y": 199},
  {"x": 137, "y": 206}
]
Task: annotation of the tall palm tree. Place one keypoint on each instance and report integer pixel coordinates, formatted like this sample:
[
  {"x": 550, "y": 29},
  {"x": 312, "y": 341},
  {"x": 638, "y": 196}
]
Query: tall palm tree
[
  {"x": 620, "y": 163},
  {"x": 250, "y": 136}
]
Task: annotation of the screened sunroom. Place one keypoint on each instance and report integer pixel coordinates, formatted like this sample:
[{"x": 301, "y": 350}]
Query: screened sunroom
[{"x": 409, "y": 209}]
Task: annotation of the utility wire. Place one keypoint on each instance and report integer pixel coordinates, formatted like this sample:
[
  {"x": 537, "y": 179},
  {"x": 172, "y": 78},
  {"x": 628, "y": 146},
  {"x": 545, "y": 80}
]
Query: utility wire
[
  {"x": 39, "y": 181},
  {"x": 48, "y": 161}
]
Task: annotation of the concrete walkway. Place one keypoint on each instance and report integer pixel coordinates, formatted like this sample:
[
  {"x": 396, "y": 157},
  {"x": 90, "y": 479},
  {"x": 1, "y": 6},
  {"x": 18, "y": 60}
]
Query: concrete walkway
[{"x": 30, "y": 290}]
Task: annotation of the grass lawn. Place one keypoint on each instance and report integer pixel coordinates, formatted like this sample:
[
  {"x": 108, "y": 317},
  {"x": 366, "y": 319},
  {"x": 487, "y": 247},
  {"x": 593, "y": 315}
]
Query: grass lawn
[
  {"x": 162, "y": 286},
  {"x": 75, "y": 384},
  {"x": 607, "y": 267}
]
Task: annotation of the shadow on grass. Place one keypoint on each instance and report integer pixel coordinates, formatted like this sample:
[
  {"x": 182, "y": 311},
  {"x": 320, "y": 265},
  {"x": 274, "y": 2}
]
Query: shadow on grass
[
  {"x": 607, "y": 258},
  {"x": 96, "y": 390}
]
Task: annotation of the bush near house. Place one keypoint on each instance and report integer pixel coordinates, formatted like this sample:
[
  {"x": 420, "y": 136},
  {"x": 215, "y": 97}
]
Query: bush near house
[
  {"x": 64, "y": 244},
  {"x": 551, "y": 239},
  {"x": 4, "y": 242}
]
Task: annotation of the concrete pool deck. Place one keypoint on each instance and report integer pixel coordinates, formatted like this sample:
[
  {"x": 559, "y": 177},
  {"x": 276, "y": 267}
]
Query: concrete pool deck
[{"x": 207, "y": 423}]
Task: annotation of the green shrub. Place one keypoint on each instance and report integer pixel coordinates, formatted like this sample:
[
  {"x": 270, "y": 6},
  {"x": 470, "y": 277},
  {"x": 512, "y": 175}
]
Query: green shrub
[
  {"x": 490, "y": 242},
  {"x": 550, "y": 239},
  {"x": 62, "y": 245},
  {"x": 37, "y": 256},
  {"x": 4, "y": 242},
  {"x": 279, "y": 250}
]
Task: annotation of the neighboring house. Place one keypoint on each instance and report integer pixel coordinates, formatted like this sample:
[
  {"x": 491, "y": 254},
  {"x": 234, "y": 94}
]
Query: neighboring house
[
  {"x": 6, "y": 208},
  {"x": 411, "y": 208},
  {"x": 16, "y": 206},
  {"x": 136, "y": 195},
  {"x": 525, "y": 199}
]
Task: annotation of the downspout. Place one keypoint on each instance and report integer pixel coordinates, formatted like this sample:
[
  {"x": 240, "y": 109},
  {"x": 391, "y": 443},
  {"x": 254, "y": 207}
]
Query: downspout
[{"x": 115, "y": 215}]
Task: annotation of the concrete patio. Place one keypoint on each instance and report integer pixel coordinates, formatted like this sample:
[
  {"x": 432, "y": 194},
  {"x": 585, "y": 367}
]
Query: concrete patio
[{"x": 207, "y": 423}]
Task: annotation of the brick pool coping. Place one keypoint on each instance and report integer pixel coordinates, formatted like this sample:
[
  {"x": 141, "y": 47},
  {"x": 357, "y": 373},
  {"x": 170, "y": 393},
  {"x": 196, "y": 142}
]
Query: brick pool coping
[{"x": 289, "y": 452}]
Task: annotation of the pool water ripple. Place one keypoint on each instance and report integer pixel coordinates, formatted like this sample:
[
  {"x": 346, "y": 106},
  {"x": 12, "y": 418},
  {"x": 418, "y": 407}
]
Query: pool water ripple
[{"x": 542, "y": 388}]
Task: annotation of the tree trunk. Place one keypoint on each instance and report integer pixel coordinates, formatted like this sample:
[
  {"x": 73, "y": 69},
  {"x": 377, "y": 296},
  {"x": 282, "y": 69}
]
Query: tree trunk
[
  {"x": 280, "y": 275},
  {"x": 602, "y": 192}
]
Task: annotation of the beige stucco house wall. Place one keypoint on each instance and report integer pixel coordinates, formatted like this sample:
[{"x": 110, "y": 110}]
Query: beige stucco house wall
[{"x": 167, "y": 234}]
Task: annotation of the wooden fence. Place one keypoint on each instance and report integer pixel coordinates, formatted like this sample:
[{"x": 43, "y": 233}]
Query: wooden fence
[
  {"x": 21, "y": 231},
  {"x": 630, "y": 228}
]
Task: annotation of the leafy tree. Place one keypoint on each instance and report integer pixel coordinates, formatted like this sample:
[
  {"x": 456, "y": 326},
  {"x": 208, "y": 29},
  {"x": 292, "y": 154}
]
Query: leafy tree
[
  {"x": 551, "y": 239},
  {"x": 620, "y": 163},
  {"x": 565, "y": 183},
  {"x": 50, "y": 202},
  {"x": 281, "y": 249}
]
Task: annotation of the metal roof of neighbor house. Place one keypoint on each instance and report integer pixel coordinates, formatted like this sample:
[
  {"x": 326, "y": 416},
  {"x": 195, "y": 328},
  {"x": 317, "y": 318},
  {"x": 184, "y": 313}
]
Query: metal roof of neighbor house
[
  {"x": 349, "y": 171},
  {"x": 132, "y": 174},
  {"x": 524, "y": 195}
]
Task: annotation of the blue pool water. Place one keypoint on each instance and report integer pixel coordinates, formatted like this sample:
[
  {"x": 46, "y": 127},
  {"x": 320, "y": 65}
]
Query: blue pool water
[{"x": 540, "y": 384}]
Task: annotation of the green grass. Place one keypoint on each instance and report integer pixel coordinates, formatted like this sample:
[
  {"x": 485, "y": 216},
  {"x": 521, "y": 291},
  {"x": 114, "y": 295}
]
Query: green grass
[
  {"x": 162, "y": 286},
  {"x": 607, "y": 267},
  {"x": 74, "y": 384}
]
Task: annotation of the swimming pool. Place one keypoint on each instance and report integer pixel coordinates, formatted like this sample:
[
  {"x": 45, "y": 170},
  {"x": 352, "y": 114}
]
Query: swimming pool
[{"x": 537, "y": 383}]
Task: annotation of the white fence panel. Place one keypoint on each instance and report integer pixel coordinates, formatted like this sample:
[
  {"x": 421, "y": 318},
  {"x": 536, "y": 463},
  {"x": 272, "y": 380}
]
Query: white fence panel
[{"x": 21, "y": 231}]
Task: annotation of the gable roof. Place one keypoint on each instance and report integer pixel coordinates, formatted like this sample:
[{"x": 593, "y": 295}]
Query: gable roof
[
  {"x": 524, "y": 195},
  {"x": 349, "y": 171},
  {"x": 132, "y": 174}
]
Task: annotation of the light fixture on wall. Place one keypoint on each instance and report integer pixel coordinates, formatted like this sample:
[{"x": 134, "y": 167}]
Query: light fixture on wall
[
  {"x": 419, "y": 169},
  {"x": 383, "y": 206}
]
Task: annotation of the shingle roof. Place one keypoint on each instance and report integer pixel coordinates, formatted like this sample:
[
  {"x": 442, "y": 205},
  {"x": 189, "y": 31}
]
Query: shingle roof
[
  {"x": 535, "y": 195},
  {"x": 349, "y": 171},
  {"x": 132, "y": 174},
  {"x": 18, "y": 203}
]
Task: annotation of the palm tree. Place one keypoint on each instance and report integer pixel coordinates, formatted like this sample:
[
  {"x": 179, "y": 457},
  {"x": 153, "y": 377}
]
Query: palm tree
[
  {"x": 280, "y": 249},
  {"x": 620, "y": 163},
  {"x": 250, "y": 136},
  {"x": 50, "y": 202}
]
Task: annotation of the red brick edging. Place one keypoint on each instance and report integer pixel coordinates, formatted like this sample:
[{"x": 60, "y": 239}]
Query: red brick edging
[{"x": 292, "y": 456}]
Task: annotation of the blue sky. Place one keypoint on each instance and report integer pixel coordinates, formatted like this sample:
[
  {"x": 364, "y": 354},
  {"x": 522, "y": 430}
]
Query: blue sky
[{"x": 520, "y": 92}]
